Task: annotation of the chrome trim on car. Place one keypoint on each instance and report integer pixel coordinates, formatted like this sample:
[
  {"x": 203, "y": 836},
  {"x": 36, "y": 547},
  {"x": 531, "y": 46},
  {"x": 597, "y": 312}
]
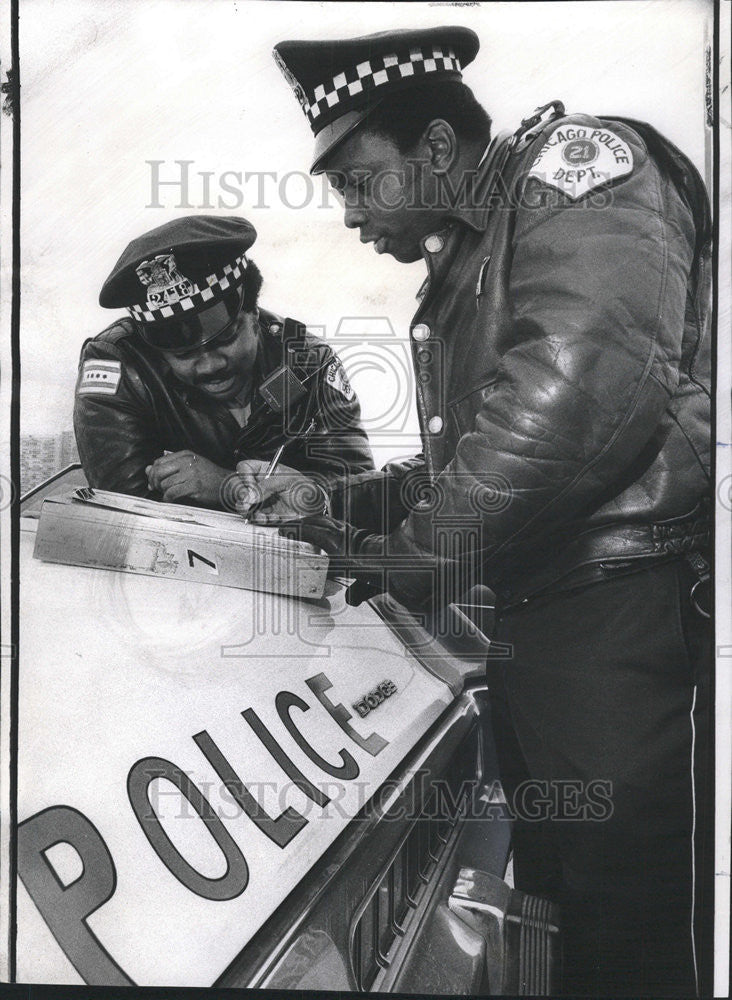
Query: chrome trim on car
[{"x": 260, "y": 961}]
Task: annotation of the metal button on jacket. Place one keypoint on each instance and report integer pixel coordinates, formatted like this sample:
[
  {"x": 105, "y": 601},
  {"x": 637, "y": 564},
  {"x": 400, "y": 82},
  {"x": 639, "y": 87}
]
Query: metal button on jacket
[
  {"x": 421, "y": 331},
  {"x": 275, "y": 327},
  {"x": 434, "y": 243},
  {"x": 435, "y": 425}
]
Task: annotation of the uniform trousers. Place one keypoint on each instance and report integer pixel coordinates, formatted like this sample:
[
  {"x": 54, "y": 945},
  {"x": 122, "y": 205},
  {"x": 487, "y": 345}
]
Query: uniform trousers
[{"x": 601, "y": 713}]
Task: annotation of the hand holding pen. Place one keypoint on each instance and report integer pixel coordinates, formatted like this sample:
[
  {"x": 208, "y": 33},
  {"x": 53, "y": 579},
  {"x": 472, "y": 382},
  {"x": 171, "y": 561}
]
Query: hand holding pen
[
  {"x": 283, "y": 494},
  {"x": 274, "y": 462}
]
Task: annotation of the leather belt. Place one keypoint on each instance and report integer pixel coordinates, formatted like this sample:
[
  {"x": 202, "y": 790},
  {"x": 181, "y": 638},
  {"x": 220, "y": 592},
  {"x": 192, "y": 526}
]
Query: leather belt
[{"x": 602, "y": 552}]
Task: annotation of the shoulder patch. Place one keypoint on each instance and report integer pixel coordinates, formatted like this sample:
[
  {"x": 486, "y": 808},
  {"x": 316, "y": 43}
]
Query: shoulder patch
[
  {"x": 576, "y": 159},
  {"x": 100, "y": 378},
  {"x": 336, "y": 377}
]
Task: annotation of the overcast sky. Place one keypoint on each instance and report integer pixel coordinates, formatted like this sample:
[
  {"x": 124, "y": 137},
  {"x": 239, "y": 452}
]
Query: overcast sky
[{"x": 110, "y": 85}]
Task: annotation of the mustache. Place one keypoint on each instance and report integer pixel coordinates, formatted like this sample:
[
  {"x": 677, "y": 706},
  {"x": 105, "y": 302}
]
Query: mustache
[{"x": 215, "y": 377}]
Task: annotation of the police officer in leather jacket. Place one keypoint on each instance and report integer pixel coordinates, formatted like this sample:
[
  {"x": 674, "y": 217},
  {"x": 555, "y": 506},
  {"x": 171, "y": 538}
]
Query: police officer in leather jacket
[
  {"x": 198, "y": 377},
  {"x": 562, "y": 350}
]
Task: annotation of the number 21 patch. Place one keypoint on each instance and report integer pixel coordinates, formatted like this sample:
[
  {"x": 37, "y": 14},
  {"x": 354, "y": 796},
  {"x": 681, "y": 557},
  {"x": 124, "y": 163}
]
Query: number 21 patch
[{"x": 577, "y": 159}]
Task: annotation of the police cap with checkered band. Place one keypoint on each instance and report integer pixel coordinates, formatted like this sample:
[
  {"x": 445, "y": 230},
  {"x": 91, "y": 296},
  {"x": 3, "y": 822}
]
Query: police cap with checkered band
[
  {"x": 338, "y": 82},
  {"x": 182, "y": 283}
]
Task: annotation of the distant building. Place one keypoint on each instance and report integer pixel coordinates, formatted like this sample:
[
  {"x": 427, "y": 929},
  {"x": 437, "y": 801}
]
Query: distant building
[{"x": 40, "y": 457}]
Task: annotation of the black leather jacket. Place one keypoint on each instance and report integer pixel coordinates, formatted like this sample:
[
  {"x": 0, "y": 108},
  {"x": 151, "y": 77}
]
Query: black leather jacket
[
  {"x": 563, "y": 359},
  {"x": 119, "y": 434}
]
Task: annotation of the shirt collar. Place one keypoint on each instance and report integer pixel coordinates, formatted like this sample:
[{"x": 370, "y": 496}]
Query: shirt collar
[{"x": 475, "y": 206}]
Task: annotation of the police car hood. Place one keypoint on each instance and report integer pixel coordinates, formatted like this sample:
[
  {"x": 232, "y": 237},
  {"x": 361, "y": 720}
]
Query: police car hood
[{"x": 186, "y": 754}]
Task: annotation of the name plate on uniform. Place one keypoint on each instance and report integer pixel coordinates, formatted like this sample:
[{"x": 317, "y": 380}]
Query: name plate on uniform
[{"x": 114, "y": 531}]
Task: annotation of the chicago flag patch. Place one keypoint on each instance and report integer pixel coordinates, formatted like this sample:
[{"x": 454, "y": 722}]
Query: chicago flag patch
[
  {"x": 100, "y": 377},
  {"x": 575, "y": 159}
]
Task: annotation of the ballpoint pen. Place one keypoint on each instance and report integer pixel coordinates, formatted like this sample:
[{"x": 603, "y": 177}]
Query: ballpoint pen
[{"x": 274, "y": 462}]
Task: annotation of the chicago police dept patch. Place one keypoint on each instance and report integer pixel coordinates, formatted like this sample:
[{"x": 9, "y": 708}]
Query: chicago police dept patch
[
  {"x": 576, "y": 159},
  {"x": 336, "y": 377}
]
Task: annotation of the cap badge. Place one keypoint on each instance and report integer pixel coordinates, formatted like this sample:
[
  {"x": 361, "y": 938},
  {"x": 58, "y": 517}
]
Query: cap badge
[
  {"x": 165, "y": 284},
  {"x": 288, "y": 75}
]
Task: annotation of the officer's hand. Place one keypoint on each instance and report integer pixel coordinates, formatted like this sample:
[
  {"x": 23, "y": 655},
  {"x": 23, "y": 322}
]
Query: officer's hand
[
  {"x": 286, "y": 495},
  {"x": 353, "y": 553},
  {"x": 367, "y": 558},
  {"x": 346, "y": 545},
  {"x": 183, "y": 475}
]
